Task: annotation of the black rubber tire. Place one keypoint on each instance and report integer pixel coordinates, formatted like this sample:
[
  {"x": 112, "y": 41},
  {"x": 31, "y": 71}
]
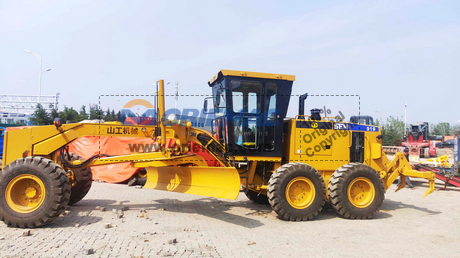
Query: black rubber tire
[
  {"x": 277, "y": 191},
  {"x": 338, "y": 187},
  {"x": 83, "y": 181},
  {"x": 256, "y": 197},
  {"x": 56, "y": 185}
]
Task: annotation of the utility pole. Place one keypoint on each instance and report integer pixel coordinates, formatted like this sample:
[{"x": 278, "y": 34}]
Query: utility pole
[
  {"x": 405, "y": 117},
  {"x": 40, "y": 75}
]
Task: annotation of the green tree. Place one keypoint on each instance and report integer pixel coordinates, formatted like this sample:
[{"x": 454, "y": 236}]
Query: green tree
[
  {"x": 69, "y": 115},
  {"x": 392, "y": 131},
  {"x": 100, "y": 113},
  {"x": 107, "y": 116},
  {"x": 114, "y": 116},
  {"x": 456, "y": 129},
  {"x": 53, "y": 114},
  {"x": 95, "y": 112},
  {"x": 73, "y": 115},
  {"x": 118, "y": 117},
  {"x": 82, "y": 115},
  {"x": 40, "y": 116},
  {"x": 63, "y": 114},
  {"x": 442, "y": 129}
]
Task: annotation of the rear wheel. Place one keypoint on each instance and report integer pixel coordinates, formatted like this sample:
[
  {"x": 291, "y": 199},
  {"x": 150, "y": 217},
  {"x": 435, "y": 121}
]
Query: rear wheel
[
  {"x": 83, "y": 179},
  {"x": 296, "y": 192},
  {"x": 34, "y": 191},
  {"x": 356, "y": 191}
]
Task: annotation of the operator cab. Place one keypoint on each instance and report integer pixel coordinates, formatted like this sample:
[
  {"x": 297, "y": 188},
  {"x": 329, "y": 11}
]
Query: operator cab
[
  {"x": 249, "y": 110},
  {"x": 419, "y": 129}
]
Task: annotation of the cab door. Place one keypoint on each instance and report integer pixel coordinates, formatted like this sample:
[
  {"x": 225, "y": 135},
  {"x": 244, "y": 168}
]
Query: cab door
[{"x": 246, "y": 115}]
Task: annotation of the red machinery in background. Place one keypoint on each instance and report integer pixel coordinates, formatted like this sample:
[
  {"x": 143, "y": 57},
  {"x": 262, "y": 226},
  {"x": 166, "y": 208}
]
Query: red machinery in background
[
  {"x": 445, "y": 171},
  {"x": 419, "y": 142}
]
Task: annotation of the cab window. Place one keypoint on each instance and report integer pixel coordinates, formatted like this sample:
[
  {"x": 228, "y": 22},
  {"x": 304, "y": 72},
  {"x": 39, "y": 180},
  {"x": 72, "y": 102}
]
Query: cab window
[
  {"x": 246, "y": 96},
  {"x": 246, "y": 102}
]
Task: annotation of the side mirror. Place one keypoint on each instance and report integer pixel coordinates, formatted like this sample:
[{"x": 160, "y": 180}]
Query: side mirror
[
  {"x": 213, "y": 127},
  {"x": 205, "y": 106},
  {"x": 216, "y": 104}
]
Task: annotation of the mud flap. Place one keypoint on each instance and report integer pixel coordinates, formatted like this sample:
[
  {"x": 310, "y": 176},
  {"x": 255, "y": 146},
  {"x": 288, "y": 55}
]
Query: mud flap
[{"x": 219, "y": 182}]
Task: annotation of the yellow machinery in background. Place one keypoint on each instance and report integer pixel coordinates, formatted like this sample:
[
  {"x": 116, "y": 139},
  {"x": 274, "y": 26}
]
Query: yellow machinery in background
[{"x": 295, "y": 164}]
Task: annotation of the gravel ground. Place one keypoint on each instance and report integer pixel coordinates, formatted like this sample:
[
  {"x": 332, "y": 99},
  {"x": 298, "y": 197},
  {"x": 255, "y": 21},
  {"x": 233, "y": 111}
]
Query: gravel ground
[{"x": 159, "y": 224}]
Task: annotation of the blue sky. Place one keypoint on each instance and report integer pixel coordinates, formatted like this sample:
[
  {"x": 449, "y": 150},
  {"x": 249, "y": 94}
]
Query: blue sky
[{"x": 386, "y": 52}]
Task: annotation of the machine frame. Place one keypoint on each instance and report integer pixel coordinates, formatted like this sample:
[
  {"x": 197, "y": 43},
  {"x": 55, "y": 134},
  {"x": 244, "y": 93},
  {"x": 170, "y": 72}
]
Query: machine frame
[{"x": 310, "y": 160}]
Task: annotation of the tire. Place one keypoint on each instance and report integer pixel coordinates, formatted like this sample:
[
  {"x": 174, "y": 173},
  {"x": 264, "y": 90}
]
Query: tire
[
  {"x": 140, "y": 178},
  {"x": 40, "y": 180},
  {"x": 255, "y": 197},
  {"x": 303, "y": 181},
  {"x": 83, "y": 181},
  {"x": 346, "y": 198}
]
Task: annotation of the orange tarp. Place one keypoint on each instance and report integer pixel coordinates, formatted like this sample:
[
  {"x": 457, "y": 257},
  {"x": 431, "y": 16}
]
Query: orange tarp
[{"x": 90, "y": 145}]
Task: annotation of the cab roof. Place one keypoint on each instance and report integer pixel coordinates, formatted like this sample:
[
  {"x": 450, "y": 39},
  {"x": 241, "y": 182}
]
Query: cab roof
[{"x": 274, "y": 76}]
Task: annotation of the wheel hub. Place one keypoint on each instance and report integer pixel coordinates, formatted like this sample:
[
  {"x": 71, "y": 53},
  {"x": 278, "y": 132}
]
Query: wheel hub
[
  {"x": 25, "y": 193},
  {"x": 361, "y": 192},
  {"x": 300, "y": 192},
  {"x": 30, "y": 192}
]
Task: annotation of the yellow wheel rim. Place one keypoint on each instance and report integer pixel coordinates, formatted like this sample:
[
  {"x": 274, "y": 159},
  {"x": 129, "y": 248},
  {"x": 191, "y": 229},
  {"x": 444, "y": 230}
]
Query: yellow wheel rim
[
  {"x": 25, "y": 193},
  {"x": 361, "y": 192},
  {"x": 300, "y": 192}
]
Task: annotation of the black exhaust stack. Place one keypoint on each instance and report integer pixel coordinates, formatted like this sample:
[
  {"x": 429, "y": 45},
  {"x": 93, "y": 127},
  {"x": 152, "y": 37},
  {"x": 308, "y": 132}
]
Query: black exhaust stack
[{"x": 302, "y": 99}]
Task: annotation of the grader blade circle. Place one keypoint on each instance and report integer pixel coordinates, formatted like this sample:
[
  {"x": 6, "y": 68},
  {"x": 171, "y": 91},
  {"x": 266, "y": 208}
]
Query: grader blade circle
[{"x": 219, "y": 182}]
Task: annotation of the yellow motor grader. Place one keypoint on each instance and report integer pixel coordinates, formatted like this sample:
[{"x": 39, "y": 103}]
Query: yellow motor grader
[{"x": 294, "y": 164}]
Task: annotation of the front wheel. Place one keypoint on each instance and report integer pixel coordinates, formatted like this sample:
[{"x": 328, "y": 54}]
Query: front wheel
[
  {"x": 356, "y": 191},
  {"x": 296, "y": 192},
  {"x": 255, "y": 197},
  {"x": 34, "y": 191},
  {"x": 83, "y": 179}
]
